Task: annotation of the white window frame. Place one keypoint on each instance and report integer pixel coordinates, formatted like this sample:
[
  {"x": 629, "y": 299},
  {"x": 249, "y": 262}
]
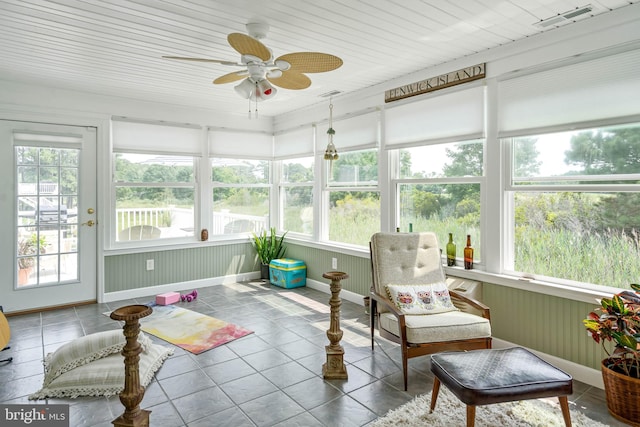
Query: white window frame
[
  {"x": 214, "y": 185},
  {"x": 282, "y": 186},
  {"x": 570, "y": 184},
  {"x": 114, "y": 243},
  {"x": 479, "y": 179},
  {"x": 328, "y": 188}
]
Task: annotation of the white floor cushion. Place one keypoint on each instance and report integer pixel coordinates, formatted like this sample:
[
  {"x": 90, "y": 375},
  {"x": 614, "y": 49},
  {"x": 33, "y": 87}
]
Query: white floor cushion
[
  {"x": 104, "y": 376},
  {"x": 86, "y": 349}
]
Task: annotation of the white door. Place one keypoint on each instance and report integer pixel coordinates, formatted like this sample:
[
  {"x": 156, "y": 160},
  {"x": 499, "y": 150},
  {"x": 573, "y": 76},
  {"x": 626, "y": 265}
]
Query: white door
[{"x": 51, "y": 201}]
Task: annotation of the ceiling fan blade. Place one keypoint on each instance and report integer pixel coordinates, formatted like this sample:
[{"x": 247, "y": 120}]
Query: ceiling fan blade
[
  {"x": 291, "y": 80},
  {"x": 217, "y": 61},
  {"x": 311, "y": 62},
  {"x": 231, "y": 77},
  {"x": 247, "y": 45}
]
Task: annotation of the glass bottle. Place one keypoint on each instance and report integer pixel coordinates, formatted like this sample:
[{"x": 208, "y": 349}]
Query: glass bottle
[
  {"x": 451, "y": 252},
  {"x": 468, "y": 254}
]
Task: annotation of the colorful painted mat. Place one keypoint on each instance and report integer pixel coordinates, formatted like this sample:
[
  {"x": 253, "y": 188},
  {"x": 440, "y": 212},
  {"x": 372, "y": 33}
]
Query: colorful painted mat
[{"x": 189, "y": 330}]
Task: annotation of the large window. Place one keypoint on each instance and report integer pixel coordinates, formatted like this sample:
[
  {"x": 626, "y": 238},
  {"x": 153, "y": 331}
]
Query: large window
[
  {"x": 439, "y": 190},
  {"x": 354, "y": 198},
  {"x": 155, "y": 184},
  {"x": 154, "y": 196},
  {"x": 296, "y": 195},
  {"x": 241, "y": 190},
  {"x": 573, "y": 204}
]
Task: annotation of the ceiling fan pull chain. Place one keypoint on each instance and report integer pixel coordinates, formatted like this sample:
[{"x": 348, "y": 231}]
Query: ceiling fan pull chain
[{"x": 256, "y": 115}]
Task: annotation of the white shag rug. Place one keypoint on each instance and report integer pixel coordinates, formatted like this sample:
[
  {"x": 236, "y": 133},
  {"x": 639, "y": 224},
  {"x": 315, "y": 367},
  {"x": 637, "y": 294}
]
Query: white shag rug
[{"x": 450, "y": 412}]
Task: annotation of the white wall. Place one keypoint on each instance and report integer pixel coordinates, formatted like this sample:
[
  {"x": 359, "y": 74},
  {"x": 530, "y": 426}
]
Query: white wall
[{"x": 63, "y": 104}]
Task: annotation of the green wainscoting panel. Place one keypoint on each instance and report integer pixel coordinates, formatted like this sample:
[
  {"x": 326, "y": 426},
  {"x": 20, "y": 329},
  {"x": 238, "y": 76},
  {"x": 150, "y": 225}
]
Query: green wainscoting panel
[
  {"x": 319, "y": 262},
  {"x": 541, "y": 322},
  {"x": 129, "y": 271}
]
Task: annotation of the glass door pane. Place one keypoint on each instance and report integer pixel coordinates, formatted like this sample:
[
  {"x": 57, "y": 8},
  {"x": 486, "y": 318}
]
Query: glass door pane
[{"x": 47, "y": 230}]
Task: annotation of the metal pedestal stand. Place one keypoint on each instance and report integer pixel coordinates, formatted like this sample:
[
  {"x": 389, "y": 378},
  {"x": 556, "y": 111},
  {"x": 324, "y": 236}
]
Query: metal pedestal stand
[
  {"x": 133, "y": 392},
  {"x": 334, "y": 369}
]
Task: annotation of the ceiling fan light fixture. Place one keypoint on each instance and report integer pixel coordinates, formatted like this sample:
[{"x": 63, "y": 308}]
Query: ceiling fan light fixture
[
  {"x": 264, "y": 90},
  {"x": 245, "y": 89}
]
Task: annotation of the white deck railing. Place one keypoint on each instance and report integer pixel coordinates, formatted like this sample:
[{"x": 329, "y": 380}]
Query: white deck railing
[
  {"x": 129, "y": 217},
  {"x": 223, "y": 222}
]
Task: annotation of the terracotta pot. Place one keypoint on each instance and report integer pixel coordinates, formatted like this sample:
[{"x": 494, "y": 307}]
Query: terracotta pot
[
  {"x": 623, "y": 395},
  {"x": 23, "y": 275}
]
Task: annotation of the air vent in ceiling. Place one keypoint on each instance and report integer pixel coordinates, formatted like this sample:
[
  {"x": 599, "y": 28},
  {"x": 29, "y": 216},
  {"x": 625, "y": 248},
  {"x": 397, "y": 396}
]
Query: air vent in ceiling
[
  {"x": 565, "y": 17},
  {"x": 331, "y": 93}
]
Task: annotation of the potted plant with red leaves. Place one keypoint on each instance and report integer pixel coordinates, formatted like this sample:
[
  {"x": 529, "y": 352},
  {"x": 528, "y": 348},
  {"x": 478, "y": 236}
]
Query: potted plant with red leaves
[{"x": 616, "y": 326}]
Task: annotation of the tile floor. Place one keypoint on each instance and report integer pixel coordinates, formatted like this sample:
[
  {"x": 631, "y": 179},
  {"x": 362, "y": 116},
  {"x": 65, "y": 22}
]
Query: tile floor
[{"x": 270, "y": 378}]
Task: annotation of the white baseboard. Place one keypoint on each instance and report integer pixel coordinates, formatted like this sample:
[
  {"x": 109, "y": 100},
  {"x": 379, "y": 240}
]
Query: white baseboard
[
  {"x": 344, "y": 294},
  {"x": 179, "y": 286},
  {"x": 213, "y": 281},
  {"x": 582, "y": 373}
]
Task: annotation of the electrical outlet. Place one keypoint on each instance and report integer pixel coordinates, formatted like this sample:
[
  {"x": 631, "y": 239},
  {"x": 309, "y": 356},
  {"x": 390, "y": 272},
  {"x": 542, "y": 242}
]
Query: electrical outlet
[
  {"x": 150, "y": 264},
  {"x": 334, "y": 263}
]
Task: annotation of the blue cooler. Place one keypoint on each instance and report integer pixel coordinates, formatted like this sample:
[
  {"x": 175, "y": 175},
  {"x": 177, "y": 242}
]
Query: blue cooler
[{"x": 288, "y": 273}]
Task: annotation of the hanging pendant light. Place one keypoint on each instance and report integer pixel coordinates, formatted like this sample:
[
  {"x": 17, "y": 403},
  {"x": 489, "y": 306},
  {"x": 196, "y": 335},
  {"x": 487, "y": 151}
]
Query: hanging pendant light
[{"x": 331, "y": 153}]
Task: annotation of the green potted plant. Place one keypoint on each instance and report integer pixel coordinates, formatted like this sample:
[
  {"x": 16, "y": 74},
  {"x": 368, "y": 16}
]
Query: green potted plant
[
  {"x": 269, "y": 247},
  {"x": 616, "y": 326}
]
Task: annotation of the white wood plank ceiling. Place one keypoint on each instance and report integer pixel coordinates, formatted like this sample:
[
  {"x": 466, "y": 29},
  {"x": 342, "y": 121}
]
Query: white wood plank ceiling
[{"x": 114, "y": 47}]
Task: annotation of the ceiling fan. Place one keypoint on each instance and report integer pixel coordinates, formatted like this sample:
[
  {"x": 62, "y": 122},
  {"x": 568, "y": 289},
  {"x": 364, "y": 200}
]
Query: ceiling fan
[{"x": 261, "y": 71}]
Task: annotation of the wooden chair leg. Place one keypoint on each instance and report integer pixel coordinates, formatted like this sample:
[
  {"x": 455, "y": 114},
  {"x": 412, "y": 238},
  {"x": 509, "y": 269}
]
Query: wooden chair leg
[
  {"x": 405, "y": 366},
  {"x": 372, "y": 319},
  {"x": 434, "y": 394},
  {"x": 564, "y": 404},
  {"x": 471, "y": 415}
]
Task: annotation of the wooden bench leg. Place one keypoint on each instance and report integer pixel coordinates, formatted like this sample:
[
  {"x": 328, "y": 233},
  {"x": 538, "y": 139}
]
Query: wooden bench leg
[
  {"x": 471, "y": 415},
  {"x": 434, "y": 393},
  {"x": 564, "y": 404}
]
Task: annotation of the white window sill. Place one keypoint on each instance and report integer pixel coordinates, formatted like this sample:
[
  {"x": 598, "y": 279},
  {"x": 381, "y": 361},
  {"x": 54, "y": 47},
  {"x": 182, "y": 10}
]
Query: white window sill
[{"x": 532, "y": 285}]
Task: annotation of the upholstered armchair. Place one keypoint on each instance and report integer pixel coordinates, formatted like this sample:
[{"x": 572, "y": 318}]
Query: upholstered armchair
[{"x": 411, "y": 305}]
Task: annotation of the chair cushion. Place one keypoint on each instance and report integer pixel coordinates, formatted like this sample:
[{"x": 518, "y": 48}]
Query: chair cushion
[
  {"x": 407, "y": 258},
  {"x": 421, "y": 299},
  {"x": 452, "y": 325}
]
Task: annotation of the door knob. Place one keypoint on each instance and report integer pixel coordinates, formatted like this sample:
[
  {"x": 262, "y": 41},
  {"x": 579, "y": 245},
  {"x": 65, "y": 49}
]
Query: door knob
[
  {"x": 89, "y": 223},
  {"x": 90, "y": 211}
]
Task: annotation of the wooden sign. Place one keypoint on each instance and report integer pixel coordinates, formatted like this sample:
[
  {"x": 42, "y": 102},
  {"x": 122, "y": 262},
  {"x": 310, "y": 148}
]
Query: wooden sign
[{"x": 464, "y": 75}]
